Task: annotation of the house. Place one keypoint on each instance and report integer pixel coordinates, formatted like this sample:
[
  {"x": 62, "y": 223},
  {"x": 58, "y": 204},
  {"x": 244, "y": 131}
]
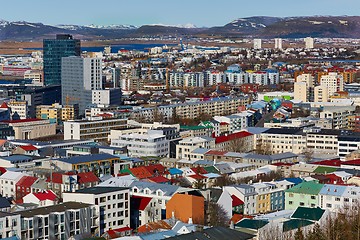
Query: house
[
  {"x": 29, "y": 150},
  {"x": 8, "y": 182},
  {"x": 305, "y": 194},
  {"x": 143, "y": 210},
  {"x": 23, "y": 186},
  {"x": 42, "y": 199},
  {"x": 185, "y": 207},
  {"x": 4, "y": 205},
  {"x": 245, "y": 193},
  {"x": 260, "y": 160}
]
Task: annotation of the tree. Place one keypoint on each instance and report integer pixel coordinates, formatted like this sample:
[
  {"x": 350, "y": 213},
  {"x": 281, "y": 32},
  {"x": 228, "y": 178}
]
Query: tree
[
  {"x": 316, "y": 233},
  {"x": 224, "y": 180},
  {"x": 263, "y": 147},
  {"x": 308, "y": 154},
  {"x": 237, "y": 145},
  {"x": 217, "y": 215},
  {"x": 299, "y": 235}
]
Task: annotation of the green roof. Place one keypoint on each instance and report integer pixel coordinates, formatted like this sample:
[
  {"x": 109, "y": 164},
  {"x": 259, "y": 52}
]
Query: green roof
[
  {"x": 126, "y": 170},
  {"x": 305, "y": 213},
  {"x": 251, "y": 223},
  {"x": 211, "y": 169},
  {"x": 311, "y": 188},
  {"x": 185, "y": 127},
  {"x": 324, "y": 170},
  {"x": 207, "y": 124},
  {"x": 295, "y": 224}
]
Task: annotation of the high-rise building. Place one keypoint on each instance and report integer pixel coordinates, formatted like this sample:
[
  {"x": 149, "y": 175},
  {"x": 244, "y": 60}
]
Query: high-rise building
[
  {"x": 309, "y": 42},
  {"x": 257, "y": 43},
  {"x": 329, "y": 84},
  {"x": 304, "y": 88},
  {"x": 79, "y": 76},
  {"x": 278, "y": 43},
  {"x": 54, "y": 49}
]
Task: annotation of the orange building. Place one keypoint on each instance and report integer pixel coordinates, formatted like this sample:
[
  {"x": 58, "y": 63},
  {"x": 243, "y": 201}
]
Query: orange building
[{"x": 185, "y": 206}]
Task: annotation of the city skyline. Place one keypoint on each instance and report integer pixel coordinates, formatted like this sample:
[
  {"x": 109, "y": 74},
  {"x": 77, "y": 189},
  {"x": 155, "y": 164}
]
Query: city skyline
[{"x": 141, "y": 12}]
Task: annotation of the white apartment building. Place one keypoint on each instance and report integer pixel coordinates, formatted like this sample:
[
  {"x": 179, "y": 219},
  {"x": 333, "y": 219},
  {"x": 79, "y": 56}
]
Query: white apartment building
[
  {"x": 257, "y": 44},
  {"x": 10, "y": 225},
  {"x": 236, "y": 122},
  {"x": 347, "y": 144},
  {"x": 144, "y": 143},
  {"x": 19, "y": 109},
  {"x": 106, "y": 97},
  {"x": 247, "y": 194},
  {"x": 63, "y": 221},
  {"x": 8, "y": 181},
  {"x": 278, "y": 43},
  {"x": 36, "y": 76},
  {"x": 113, "y": 204},
  {"x": 340, "y": 115},
  {"x": 309, "y": 42},
  {"x": 95, "y": 128},
  {"x": 187, "y": 145},
  {"x": 329, "y": 84},
  {"x": 335, "y": 197}
]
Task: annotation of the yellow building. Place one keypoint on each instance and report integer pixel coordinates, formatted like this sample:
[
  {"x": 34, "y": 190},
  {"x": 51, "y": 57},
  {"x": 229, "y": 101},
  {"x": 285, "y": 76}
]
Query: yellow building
[
  {"x": 56, "y": 113},
  {"x": 263, "y": 203}
]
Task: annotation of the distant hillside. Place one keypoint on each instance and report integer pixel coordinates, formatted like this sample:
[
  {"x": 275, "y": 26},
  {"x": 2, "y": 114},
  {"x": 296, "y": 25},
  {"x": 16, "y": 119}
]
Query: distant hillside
[{"x": 259, "y": 26}]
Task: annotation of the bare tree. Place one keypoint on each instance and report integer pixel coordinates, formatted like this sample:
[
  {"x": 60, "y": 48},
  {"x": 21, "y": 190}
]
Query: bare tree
[
  {"x": 224, "y": 180},
  {"x": 263, "y": 147},
  {"x": 237, "y": 145},
  {"x": 217, "y": 215},
  {"x": 308, "y": 154}
]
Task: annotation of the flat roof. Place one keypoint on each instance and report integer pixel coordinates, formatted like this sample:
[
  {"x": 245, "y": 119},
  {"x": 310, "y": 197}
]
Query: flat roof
[
  {"x": 53, "y": 209},
  {"x": 100, "y": 190}
]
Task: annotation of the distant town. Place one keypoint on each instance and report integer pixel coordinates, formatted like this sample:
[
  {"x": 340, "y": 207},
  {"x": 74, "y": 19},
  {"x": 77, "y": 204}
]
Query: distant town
[{"x": 176, "y": 137}]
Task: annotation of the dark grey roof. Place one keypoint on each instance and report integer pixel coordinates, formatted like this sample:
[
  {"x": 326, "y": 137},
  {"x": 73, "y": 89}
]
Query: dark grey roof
[
  {"x": 51, "y": 209},
  {"x": 5, "y": 214},
  {"x": 214, "y": 233},
  {"x": 296, "y": 131},
  {"x": 87, "y": 158},
  {"x": 17, "y": 158},
  {"x": 4, "y": 203},
  {"x": 100, "y": 190},
  {"x": 272, "y": 157}
]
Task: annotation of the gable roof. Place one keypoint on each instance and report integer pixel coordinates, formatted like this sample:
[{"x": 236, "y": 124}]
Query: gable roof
[
  {"x": 295, "y": 224},
  {"x": 251, "y": 223},
  {"x": 324, "y": 170},
  {"x": 28, "y": 148},
  {"x": 313, "y": 214},
  {"x": 236, "y": 201},
  {"x": 46, "y": 195},
  {"x": 140, "y": 172},
  {"x": 139, "y": 203},
  {"x": 26, "y": 181},
  {"x": 87, "y": 177},
  {"x": 4, "y": 203},
  {"x": 151, "y": 226},
  {"x": 310, "y": 188}
]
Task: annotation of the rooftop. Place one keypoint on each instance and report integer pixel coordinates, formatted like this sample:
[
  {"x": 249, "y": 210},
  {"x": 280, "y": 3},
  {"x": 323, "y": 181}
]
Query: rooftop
[
  {"x": 53, "y": 209},
  {"x": 100, "y": 190}
]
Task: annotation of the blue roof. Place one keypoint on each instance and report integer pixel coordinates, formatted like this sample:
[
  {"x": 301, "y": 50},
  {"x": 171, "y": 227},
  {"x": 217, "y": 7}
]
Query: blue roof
[
  {"x": 17, "y": 158},
  {"x": 87, "y": 158},
  {"x": 158, "y": 235},
  {"x": 4, "y": 203},
  {"x": 294, "y": 180},
  {"x": 333, "y": 190},
  {"x": 174, "y": 171}
]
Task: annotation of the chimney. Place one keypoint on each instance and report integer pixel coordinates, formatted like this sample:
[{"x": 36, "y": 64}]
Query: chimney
[
  {"x": 190, "y": 221},
  {"x": 232, "y": 225}
]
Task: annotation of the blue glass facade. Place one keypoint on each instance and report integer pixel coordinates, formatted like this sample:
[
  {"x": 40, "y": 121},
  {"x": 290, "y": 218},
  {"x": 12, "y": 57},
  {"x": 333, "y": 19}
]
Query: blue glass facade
[{"x": 54, "y": 50}]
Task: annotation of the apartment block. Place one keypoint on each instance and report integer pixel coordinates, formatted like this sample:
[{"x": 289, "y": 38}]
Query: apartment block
[{"x": 113, "y": 204}]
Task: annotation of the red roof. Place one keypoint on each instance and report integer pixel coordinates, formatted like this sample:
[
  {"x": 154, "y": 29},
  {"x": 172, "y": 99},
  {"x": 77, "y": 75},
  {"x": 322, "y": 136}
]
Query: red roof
[
  {"x": 87, "y": 177},
  {"x": 232, "y": 137},
  {"x": 156, "y": 168},
  {"x": 355, "y": 162},
  {"x": 26, "y": 181},
  {"x": 200, "y": 170},
  {"x": 29, "y": 148},
  {"x": 23, "y": 120},
  {"x": 2, "y": 170},
  {"x": 140, "y": 203},
  {"x": 56, "y": 178},
  {"x": 46, "y": 195},
  {"x": 159, "y": 179},
  {"x": 216, "y": 152},
  {"x": 4, "y": 105},
  {"x": 236, "y": 201},
  {"x": 333, "y": 162},
  {"x": 197, "y": 176},
  {"x": 224, "y": 123},
  {"x": 115, "y": 233},
  {"x": 140, "y": 172},
  {"x": 237, "y": 217}
]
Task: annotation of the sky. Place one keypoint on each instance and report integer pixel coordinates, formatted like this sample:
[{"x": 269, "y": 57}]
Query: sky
[{"x": 141, "y": 12}]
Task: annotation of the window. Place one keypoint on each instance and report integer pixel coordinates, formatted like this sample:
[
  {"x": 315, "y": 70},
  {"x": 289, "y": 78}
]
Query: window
[
  {"x": 290, "y": 202},
  {"x": 302, "y": 204},
  {"x": 313, "y": 197},
  {"x": 346, "y": 200},
  {"x": 328, "y": 205},
  {"x": 337, "y": 199}
]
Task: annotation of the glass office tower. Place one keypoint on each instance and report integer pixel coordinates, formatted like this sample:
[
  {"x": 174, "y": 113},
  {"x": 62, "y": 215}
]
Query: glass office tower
[{"x": 54, "y": 49}]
